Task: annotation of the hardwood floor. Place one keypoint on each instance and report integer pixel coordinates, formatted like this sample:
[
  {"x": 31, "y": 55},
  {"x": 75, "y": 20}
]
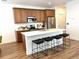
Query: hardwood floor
[{"x": 16, "y": 51}]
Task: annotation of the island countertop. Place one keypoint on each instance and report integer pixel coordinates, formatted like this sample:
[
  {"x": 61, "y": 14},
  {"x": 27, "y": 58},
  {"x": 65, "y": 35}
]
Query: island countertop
[{"x": 39, "y": 32}]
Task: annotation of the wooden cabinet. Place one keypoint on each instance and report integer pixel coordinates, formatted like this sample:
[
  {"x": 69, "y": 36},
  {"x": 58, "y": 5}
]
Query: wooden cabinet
[
  {"x": 29, "y": 12},
  {"x": 21, "y": 14},
  {"x": 38, "y": 15},
  {"x": 19, "y": 35},
  {"x": 24, "y": 15},
  {"x": 33, "y": 13},
  {"x": 17, "y": 15},
  {"x": 42, "y": 16},
  {"x": 50, "y": 12}
]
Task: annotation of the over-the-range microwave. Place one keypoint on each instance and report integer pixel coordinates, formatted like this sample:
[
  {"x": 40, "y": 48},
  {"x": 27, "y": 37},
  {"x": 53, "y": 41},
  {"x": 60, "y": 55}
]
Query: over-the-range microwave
[{"x": 31, "y": 19}]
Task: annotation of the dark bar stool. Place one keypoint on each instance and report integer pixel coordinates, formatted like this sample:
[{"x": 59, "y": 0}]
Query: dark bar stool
[
  {"x": 47, "y": 45},
  {"x": 37, "y": 42},
  {"x": 57, "y": 43},
  {"x": 65, "y": 39}
]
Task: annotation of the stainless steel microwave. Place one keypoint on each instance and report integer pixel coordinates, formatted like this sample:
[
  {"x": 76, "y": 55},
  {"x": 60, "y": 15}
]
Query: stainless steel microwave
[{"x": 31, "y": 19}]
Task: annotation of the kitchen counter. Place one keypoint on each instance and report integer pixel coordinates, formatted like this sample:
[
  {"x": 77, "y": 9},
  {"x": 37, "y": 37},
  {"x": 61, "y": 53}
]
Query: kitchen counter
[
  {"x": 36, "y": 29},
  {"x": 33, "y": 35},
  {"x": 39, "y": 32}
]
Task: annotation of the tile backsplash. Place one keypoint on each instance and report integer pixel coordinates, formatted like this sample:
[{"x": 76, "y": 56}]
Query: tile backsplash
[{"x": 17, "y": 26}]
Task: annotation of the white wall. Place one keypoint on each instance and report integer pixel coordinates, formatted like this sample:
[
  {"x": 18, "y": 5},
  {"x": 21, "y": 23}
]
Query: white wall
[
  {"x": 73, "y": 19},
  {"x": 7, "y": 23}
]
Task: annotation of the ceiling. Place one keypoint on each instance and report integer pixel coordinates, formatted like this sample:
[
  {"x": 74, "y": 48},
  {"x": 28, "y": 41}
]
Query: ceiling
[{"x": 41, "y": 3}]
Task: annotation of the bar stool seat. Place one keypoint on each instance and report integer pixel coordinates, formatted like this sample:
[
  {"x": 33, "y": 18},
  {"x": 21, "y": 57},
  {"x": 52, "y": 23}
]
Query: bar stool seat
[
  {"x": 48, "y": 39},
  {"x": 58, "y": 37},
  {"x": 38, "y": 41},
  {"x": 64, "y": 34}
]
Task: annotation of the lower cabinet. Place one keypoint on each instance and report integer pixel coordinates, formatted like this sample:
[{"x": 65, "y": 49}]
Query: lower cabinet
[
  {"x": 19, "y": 35},
  {"x": 21, "y": 38}
]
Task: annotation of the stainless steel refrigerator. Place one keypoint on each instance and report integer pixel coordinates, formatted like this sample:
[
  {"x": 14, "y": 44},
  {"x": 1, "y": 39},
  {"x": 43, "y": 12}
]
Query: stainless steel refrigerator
[{"x": 51, "y": 23}]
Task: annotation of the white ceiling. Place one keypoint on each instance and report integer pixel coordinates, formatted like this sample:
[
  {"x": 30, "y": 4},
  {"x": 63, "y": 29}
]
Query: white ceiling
[{"x": 41, "y": 3}]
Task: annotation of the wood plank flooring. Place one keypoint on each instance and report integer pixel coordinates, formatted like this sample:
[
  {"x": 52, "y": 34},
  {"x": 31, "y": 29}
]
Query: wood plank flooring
[{"x": 16, "y": 51}]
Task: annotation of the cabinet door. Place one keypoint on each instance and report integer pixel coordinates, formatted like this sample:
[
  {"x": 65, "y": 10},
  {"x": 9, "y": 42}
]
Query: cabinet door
[
  {"x": 42, "y": 16},
  {"x": 50, "y": 12},
  {"x": 24, "y": 15},
  {"x": 33, "y": 12},
  {"x": 29, "y": 12},
  {"x": 17, "y": 15},
  {"x": 19, "y": 35},
  {"x": 38, "y": 15}
]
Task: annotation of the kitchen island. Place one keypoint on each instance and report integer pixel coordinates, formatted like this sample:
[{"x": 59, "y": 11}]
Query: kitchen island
[{"x": 33, "y": 35}]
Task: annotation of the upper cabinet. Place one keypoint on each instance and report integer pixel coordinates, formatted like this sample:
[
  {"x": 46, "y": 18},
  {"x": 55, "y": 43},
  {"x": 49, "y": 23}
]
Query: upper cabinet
[
  {"x": 38, "y": 15},
  {"x": 42, "y": 15},
  {"x": 21, "y": 14},
  {"x": 50, "y": 12},
  {"x": 17, "y": 15},
  {"x": 24, "y": 15},
  {"x": 33, "y": 13}
]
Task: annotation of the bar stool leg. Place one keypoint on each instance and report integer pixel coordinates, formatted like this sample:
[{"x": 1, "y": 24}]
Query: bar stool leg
[
  {"x": 64, "y": 42},
  {"x": 69, "y": 41},
  {"x": 32, "y": 48},
  {"x": 53, "y": 46},
  {"x": 57, "y": 45},
  {"x": 37, "y": 51},
  {"x": 46, "y": 47},
  {"x": 42, "y": 47},
  {"x": 46, "y": 51}
]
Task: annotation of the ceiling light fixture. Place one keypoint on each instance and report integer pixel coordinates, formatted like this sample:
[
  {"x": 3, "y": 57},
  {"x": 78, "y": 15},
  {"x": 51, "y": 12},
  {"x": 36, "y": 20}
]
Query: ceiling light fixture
[{"x": 49, "y": 3}]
